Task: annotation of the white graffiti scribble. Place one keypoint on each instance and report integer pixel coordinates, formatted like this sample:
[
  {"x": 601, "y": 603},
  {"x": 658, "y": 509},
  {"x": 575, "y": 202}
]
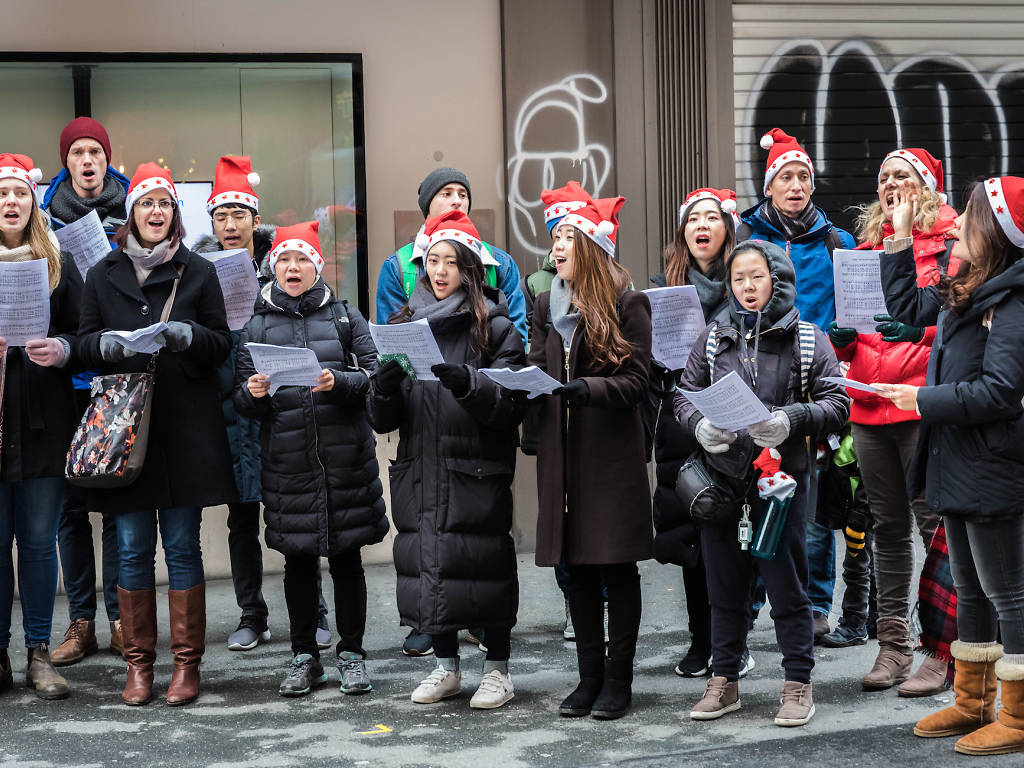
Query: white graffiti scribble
[{"x": 571, "y": 94}]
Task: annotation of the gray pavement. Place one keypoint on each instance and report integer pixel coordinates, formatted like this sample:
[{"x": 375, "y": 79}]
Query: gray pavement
[{"x": 240, "y": 720}]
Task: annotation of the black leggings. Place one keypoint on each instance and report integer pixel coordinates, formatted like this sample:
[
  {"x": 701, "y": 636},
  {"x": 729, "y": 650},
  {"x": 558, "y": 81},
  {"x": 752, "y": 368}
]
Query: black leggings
[
  {"x": 302, "y": 596},
  {"x": 586, "y": 603},
  {"x": 497, "y": 639}
]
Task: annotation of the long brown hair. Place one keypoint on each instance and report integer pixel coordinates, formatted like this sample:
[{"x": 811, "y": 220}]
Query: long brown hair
[
  {"x": 991, "y": 253},
  {"x": 175, "y": 232},
  {"x": 471, "y": 278},
  {"x": 37, "y": 236},
  {"x": 598, "y": 281},
  {"x": 677, "y": 256}
]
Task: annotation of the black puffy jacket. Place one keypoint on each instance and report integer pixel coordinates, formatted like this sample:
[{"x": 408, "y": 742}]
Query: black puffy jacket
[
  {"x": 451, "y": 494},
  {"x": 321, "y": 487}
]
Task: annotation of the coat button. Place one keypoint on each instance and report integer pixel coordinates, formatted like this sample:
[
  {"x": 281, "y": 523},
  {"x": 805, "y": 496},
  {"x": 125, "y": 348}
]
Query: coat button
[{"x": 145, "y": 309}]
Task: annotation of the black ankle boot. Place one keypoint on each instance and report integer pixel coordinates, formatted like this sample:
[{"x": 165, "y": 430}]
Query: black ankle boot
[
  {"x": 6, "y": 673},
  {"x": 616, "y": 693},
  {"x": 579, "y": 702}
]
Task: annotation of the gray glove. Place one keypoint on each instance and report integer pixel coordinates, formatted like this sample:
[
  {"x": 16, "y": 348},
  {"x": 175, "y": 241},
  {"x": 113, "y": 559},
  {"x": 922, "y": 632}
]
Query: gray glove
[
  {"x": 111, "y": 350},
  {"x": 177, "y": 337},
  {"x": 713, "y": 439},
  {"x": 771, "y": 432}
]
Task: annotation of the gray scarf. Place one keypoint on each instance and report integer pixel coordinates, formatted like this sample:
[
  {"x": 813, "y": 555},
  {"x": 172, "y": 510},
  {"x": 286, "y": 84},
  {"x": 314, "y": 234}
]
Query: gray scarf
[
  {"x": 564, "y": 316},
  {"x": 790, "y": 228},
  {"x": 424, "y": 304},
  {"x": 68, "y": 207},
  {"x": 147, "y": 259},
  {"x": 710, "y": 291}
]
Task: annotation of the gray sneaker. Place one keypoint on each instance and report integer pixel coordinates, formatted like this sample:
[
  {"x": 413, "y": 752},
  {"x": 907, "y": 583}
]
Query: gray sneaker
[
  {"x": 247, "y": 637},
  {"x": 354, "y": 680},
  {"x": 323, "y": 633},
  {"x": 304, "y": 674}
]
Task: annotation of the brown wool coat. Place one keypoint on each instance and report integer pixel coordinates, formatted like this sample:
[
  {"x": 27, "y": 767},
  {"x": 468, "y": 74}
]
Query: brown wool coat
[{"x": 595, "y": 499}]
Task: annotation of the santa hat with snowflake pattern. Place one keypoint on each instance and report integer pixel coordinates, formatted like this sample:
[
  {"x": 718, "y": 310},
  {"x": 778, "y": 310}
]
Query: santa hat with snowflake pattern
[
  {"x": 233, "y": 183},
  {"x": 782, "y": 149},
  {"x": 298, "y": 237}
]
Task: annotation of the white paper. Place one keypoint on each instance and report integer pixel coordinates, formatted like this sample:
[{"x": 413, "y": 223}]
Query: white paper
[
  {"x": 531, "y": 380},
  {"x": 143, "y": 340},
  {"x": 85, "y": 240},
  {"x": 858, "y": 285},
  {"x": 24, "y": 301},
  {"x": 677, "y": 318},
  {"x": 412, "y": 339},
  {"x": 285, "y": 366},
  {"x": 238, "y": 283},
  {"x": 729, "y": 403},
  {"x": 851, "y": 383}
]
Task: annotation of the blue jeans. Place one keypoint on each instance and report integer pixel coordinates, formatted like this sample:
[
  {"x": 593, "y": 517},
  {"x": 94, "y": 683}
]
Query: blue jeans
[
  {"x": 77, "y": 562},
  {"x": 821, "y": 555},
  {"x": 136, "y": 542},
  {"x": 29, "y": 510}
]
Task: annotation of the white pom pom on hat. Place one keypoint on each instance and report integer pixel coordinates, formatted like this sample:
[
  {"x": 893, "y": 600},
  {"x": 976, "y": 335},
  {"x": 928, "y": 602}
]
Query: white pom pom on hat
[
  {"x": 253, "y": 178},
  {"x": 728, "y": 205},
  {"x": 605, "y": 228},
  {"x": 422, "y": 241},
  {"x": 36, "y": 174},
  {"x": 767, "y": 142},
  {"x": 943, "y": 198}
]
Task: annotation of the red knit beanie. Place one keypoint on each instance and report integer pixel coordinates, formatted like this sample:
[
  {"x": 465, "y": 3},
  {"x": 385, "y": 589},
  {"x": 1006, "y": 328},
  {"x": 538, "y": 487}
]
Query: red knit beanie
[{"x": 83, "y": 128}]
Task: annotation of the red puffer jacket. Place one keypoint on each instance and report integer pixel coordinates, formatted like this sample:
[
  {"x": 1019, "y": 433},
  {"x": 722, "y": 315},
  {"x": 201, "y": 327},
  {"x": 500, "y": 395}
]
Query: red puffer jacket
[{"x": 872, "y": 359}]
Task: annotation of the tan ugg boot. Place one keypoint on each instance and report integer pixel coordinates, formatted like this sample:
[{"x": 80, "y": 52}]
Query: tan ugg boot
[
  {"x": 1006, "y": 734},
  {"x": 975, "y": 688},
  {"x": 895, "y": 655}
]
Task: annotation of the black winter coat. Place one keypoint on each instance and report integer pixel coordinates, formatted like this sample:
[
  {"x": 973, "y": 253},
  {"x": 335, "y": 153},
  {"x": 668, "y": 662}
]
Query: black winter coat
[
  {"x": 971, "y": 444},
  {"x": 322, "y": 493},
  {"x": 39, "y": 413},
  {"x": 187, "y": 460},
  {"x": 451, "y": 495}
]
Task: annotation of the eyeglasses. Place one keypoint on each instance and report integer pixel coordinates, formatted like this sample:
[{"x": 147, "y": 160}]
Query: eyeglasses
[
  {"x": 238, "y": 216},
  {"x": 163, "y": 205}
]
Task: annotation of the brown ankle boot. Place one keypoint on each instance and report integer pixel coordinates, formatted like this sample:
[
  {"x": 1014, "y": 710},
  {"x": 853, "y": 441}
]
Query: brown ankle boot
[
  {"x": 975, "y": 687},
  {"x": 40, "y": 675},
  {"x": 79, "y": 642},
  {"x": 1006, "y": 734},
  {"x": 116, "y": 638},
  {"x": 138, "y": 630},
  {"x": 188, "y": 642},
  {"x": 895, "y": 655},
  {"x": 929, "y": 679}
]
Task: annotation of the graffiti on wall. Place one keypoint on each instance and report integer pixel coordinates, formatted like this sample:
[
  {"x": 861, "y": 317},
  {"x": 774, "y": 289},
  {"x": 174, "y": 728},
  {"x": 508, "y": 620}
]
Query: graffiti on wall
[
  {"x": 850, "y": 109},
  {"x": 537, "y": 162}
]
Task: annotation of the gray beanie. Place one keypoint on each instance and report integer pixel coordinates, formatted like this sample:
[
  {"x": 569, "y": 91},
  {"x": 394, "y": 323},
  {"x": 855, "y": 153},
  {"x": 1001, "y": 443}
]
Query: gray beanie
[{"x": 436, "y": 180}]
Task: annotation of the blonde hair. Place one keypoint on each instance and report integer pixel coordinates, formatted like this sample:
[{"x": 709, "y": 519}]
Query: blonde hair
[
  {"x": 871, "y": 220},
  {"x": 38, "y": 240}
]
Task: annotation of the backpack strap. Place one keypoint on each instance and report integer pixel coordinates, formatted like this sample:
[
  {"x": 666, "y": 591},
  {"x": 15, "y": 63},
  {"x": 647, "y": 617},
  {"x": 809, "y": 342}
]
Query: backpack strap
[
  {"x": 833, "y": 240},
  {"x": 710, "y": 350},
  {"x": 410, "y": 272},
  {"x": 339, "y": 311},
  {"x": 805, "y": 335}
]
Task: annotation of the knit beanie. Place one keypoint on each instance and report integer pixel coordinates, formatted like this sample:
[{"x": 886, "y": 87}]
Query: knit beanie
[
  {"x": 436, "y": 180},
  {"x": 83, "y": 128}
]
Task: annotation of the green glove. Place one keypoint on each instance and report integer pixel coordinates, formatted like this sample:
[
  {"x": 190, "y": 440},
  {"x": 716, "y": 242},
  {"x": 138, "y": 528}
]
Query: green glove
[
  {"x": 840, "y": 337},
  {"x": 894, "y": 330}
]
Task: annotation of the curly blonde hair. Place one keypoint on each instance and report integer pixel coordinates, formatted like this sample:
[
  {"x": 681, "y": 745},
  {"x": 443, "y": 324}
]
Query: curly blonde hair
[{"x": 870, "y": 220}]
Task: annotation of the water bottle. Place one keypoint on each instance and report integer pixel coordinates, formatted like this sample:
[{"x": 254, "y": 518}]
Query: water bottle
[{"x": 771, "y": 529}]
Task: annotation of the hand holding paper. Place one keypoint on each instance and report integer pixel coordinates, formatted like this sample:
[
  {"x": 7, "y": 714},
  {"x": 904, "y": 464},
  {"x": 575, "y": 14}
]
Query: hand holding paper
[
  {"x": 415, "y": 339},
  {"x": 729, "y": 403},
  {"x": 285, "y": 366},
  {"x": 531, "y": 380},
  {"x": 145, "y": 341}
]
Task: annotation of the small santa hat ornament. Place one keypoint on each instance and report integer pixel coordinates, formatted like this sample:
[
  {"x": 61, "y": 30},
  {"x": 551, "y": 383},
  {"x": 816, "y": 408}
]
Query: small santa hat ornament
[
  {"x": 599, "y": 221},
  {"x": 149, "y": 176},
  {"x": 20, "y": 167},
  {"x": 782, "y": 149},
  {"x": 927, "y": 167},
  {"x": 726, "y": 199},
  {"x": 233, "y": 183},
  {"x": 301, "y": 237},
  {"x": 559, "y": 202},
  {"x": 773, "y": 483},
  {"x": 456, "y": 227},
  {"x": 1005, "y": 194}
]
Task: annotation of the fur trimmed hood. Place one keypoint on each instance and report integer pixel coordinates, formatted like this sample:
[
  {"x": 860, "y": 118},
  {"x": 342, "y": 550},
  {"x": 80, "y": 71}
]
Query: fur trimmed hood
[{"x": 262, "y": 239}]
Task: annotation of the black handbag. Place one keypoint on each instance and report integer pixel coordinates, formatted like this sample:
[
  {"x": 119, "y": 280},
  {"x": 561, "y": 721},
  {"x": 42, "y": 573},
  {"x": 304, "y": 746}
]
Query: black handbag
[{"x": 711, "y": 497}]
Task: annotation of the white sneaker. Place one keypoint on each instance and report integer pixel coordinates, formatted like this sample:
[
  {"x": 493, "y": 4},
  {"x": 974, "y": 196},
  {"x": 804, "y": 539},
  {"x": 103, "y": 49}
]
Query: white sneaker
[
  {"x": 439, "y": 684},
  {"x": 568, "y": 631},
  {"x": 495, "y": 689}
]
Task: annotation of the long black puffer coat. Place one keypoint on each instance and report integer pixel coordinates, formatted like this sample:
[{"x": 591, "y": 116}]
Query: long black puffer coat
[
  {"x": 451, "y": 496},
  {"x": 322, "y": 493}
]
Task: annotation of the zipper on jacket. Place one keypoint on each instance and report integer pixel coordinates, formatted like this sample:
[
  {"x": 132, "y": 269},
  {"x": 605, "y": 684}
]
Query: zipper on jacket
[
  {"x": 568, "y": 417},
  {"x": 316, "y": 446}
]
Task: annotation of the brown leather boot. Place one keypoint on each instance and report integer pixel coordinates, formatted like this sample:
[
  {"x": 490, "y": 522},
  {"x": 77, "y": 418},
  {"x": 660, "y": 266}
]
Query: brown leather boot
[
  {"x": 895, "y": 655},
  {"x": 40, "y": 675},
  {"x": 138, "y": 630},
  {"x": 188, "y": 642},
  {"x": 929, "y": 679},
  {"x": 975, "y": 687},
  {"x": 79, "y": 642},
  {"x": 1006, "y": 734},
  {"x": 116, "y": 638}
]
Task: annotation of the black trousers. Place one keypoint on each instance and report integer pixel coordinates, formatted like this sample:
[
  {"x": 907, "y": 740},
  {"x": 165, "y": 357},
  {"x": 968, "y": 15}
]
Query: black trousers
[
  {"x": 303, "y": 599},
  {"x": 586, "y": 604},
  {"x": 497, "y": 639},
  {"x": 247, "y": 559}
]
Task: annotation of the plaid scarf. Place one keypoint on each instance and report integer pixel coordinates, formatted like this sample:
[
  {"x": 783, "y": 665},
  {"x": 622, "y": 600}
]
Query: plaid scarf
[{"x": 936, "y": 601}]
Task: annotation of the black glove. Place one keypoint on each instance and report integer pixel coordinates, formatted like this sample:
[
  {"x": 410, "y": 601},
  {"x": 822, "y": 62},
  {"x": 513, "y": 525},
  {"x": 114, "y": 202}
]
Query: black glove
[
  {"x": 111, "y": 350},
  {"x": 575, "y": 392},
  {"x": 389, "y": 377},
  {"x": 177, "y": 337},
  {"x": 841, "y": 337},
  {"x": 454, "y": 377},
  {"x": 894, "y": 330}
]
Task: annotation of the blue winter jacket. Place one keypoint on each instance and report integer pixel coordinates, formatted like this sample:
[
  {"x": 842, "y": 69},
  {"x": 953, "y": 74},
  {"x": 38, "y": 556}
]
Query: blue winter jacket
[
  {"x": 812, "y": 260},
  {"x": 391, "y": 297},
  {"x": 63, "y": 176}
]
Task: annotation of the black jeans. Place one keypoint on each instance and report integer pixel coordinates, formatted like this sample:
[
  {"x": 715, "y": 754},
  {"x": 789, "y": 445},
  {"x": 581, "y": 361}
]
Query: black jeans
[
  {"x": 986, "y": 560},
  {"x": 730, "y": 573},
  {"x": 621, "y": 583},
  {"x": 301, "y": 574},
  {"x": 247, "y": 560},
  {"x": 77, "y": 561},
  {"x": 698, "y": 606},
  {"x": 497, "y": 639}
]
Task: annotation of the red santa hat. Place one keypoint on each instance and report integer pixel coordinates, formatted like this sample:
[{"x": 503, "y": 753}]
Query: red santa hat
[
  {"x": 599, "y": 221},
  {"x": 773, "y": 483},
  {"x": 149, "y": 176},
  {"x": 454, "y": 226},
  {"x": 726, "y": 199},
  {"x": 301, "y": 237},
  {"x": 559, "y": 202},
  {"x": 1006, "y": 196},
  {"x": 927, "y": 167},
  {"x": 20, "y": 167},
  {"x": 782, "y": 149},
  {"x": 233, "y": 183}
]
